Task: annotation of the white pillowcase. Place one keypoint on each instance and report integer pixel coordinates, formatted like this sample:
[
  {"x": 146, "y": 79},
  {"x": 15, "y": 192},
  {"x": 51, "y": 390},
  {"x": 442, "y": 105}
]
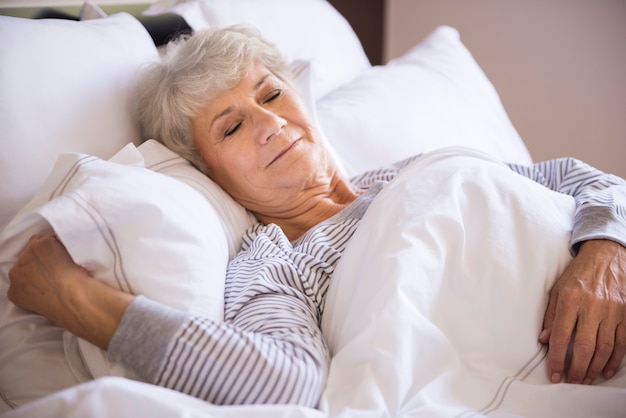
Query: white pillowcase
[
  {"x": 307, "y": 30},
  {"x": 146, "y": 233},
  {"x": 435, "y": 95},
  {"x": 233, "y": 218},
  {"x": 65, "y": 88},
  {"x": 140, "y": 231}
]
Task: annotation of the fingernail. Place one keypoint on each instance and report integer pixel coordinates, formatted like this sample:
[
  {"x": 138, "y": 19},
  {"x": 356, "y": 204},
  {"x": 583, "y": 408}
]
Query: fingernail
[
  {"x": 543, "y": 335},
  {"x": 556, "y": 378},
  {"x": 609, "y": 374},
  {"x": 587, "y": 381}
]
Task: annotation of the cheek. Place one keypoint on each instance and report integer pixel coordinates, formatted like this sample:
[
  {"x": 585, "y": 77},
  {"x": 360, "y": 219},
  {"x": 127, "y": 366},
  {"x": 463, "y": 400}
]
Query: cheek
[{"x": 228, "y": 166}]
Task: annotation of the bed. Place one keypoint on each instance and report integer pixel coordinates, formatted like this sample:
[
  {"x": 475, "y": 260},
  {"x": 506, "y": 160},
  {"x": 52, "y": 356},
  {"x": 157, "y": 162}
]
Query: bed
[{"x": 451, "y": 333}]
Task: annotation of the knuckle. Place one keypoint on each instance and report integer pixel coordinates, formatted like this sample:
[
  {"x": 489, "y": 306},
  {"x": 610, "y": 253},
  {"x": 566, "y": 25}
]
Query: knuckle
[
  {"x": 560, "y": 336},
  {"x": 604, "y": 349},
  {"x": 569, "y": 294},
  {"x": 584, "y": 347}
]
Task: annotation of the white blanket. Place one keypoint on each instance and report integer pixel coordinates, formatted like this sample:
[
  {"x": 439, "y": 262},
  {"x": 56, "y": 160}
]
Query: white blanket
[
  {"x": 437, "y": 304},
  {"x": 434, "y": 310}
]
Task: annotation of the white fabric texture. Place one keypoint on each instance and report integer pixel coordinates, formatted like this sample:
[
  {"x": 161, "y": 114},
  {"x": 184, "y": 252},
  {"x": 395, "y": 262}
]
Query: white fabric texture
[
  {"x": 306, "y": 30},
  {"x": 437, "y": 303},
  {"x": 165, "y": 235},
  {"x": 434, "y": 96},
  {"x": 115, "y": 397},
  {"x": 233, "y": 218},
  {"x": 65, "y": 88}
]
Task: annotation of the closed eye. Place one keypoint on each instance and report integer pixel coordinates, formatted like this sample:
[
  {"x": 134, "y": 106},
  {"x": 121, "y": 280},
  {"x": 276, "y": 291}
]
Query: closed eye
[
  {"x": 233, "y": 128},
  {"x": 273, "y": 95}
]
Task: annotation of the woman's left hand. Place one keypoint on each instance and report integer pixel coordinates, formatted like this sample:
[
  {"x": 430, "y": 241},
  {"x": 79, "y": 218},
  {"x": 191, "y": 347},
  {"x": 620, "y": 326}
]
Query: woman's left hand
[{"x": 587, "y": 308}]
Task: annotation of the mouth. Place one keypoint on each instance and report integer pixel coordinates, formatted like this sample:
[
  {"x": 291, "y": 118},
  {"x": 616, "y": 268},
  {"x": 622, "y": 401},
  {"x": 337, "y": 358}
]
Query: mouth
[{"x": 284, "y": 151}]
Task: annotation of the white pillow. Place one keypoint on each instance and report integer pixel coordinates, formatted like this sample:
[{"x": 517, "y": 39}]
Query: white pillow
[
  {"x": 65, "y": 88},
  {"x": 233, "y": 218},
  {"x": 141, "y": 232},
  {"x": 303, "y": 82},
  {"x": 308, "y": 30},
  {"x": 164, "y": 232},
  {"x": 435, "y": 95}
]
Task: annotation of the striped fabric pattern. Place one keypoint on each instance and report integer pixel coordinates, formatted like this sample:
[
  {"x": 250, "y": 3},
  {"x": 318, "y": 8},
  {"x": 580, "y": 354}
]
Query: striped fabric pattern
[{"x": 600, "y": 197}]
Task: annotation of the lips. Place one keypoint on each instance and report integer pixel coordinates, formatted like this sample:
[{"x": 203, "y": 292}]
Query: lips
[{"x": 284, "y": 151}]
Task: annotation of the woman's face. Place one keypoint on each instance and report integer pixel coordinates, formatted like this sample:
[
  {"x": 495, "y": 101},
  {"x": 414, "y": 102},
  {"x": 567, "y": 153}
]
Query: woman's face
[{"x": 260, "y": 145}]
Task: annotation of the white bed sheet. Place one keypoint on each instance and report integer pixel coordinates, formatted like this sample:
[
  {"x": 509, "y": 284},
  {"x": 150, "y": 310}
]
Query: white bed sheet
[{"x": 119, "y": 398}]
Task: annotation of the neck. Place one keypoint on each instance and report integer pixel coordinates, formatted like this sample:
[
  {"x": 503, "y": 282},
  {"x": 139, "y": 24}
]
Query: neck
[{"x": 314, "y": 210}]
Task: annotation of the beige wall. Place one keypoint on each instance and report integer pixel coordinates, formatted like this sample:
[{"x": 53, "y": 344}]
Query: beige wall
[{"x": 559, "y": 66}]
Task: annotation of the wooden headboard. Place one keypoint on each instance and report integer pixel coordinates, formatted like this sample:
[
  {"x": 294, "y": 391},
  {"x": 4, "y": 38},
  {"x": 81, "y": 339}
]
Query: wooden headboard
[{"x": 367, "y": 18}]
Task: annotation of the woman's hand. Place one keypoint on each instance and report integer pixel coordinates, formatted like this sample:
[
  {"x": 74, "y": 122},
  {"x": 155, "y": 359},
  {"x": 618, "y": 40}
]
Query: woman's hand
[
  {"x": 587, "y": 308},
  {"x": 46, "y": 280},
  {"x": 43, "y": 277}
]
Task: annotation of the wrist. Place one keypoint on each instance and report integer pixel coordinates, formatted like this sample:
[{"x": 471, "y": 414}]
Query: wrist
[
  {"x": 595, "y": 244},
  {"x": 94, "y": 310}
]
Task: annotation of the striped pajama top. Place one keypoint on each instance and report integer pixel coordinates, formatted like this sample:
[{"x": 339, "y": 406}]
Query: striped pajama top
[{"x": 270, "y": 348}]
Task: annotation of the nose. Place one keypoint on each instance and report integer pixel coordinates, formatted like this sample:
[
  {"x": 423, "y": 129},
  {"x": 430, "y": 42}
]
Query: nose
[{"x": 269, "y": 125}]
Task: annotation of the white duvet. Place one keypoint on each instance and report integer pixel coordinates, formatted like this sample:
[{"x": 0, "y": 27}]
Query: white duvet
[
  {"x": 437, "y": 304},
  {"x": 434, "y": 310}
]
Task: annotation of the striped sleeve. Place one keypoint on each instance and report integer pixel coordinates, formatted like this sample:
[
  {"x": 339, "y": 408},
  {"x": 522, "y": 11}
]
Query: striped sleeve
[
  {"x": 600, "y": 197},
  {"x": 269, "y": 349}
]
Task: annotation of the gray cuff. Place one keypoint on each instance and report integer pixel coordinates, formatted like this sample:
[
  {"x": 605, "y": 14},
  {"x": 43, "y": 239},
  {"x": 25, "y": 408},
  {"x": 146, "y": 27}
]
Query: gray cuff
[
  {"x": 597, "y": 222},
  {"x": 142, "y": 339}
]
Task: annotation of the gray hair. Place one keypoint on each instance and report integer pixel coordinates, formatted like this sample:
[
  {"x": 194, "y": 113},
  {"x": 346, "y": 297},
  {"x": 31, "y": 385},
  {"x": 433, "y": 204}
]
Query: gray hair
[{"x": 192, "y": 71}]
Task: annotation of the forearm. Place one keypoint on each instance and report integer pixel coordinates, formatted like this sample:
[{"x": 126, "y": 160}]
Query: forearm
[
  {"x": 224, "y": 363},
  {"x": 93, "y": 311},
  {"x": 144, "y": 335}
]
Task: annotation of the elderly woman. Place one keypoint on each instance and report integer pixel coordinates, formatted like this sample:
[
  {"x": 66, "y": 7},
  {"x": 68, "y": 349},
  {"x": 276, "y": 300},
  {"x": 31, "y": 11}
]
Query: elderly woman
[{"x": 224, "y": 100}]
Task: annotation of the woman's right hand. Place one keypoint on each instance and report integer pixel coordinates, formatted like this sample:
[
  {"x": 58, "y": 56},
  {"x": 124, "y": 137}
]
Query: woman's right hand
[
  {"x": 42, "y": 278},
  {"x": 46, "y": 280}
]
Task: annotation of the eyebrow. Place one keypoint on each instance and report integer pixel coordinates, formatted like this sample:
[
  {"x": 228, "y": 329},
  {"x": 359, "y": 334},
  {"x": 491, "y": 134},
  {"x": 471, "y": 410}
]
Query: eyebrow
[{"x": 229, "y": 109}]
